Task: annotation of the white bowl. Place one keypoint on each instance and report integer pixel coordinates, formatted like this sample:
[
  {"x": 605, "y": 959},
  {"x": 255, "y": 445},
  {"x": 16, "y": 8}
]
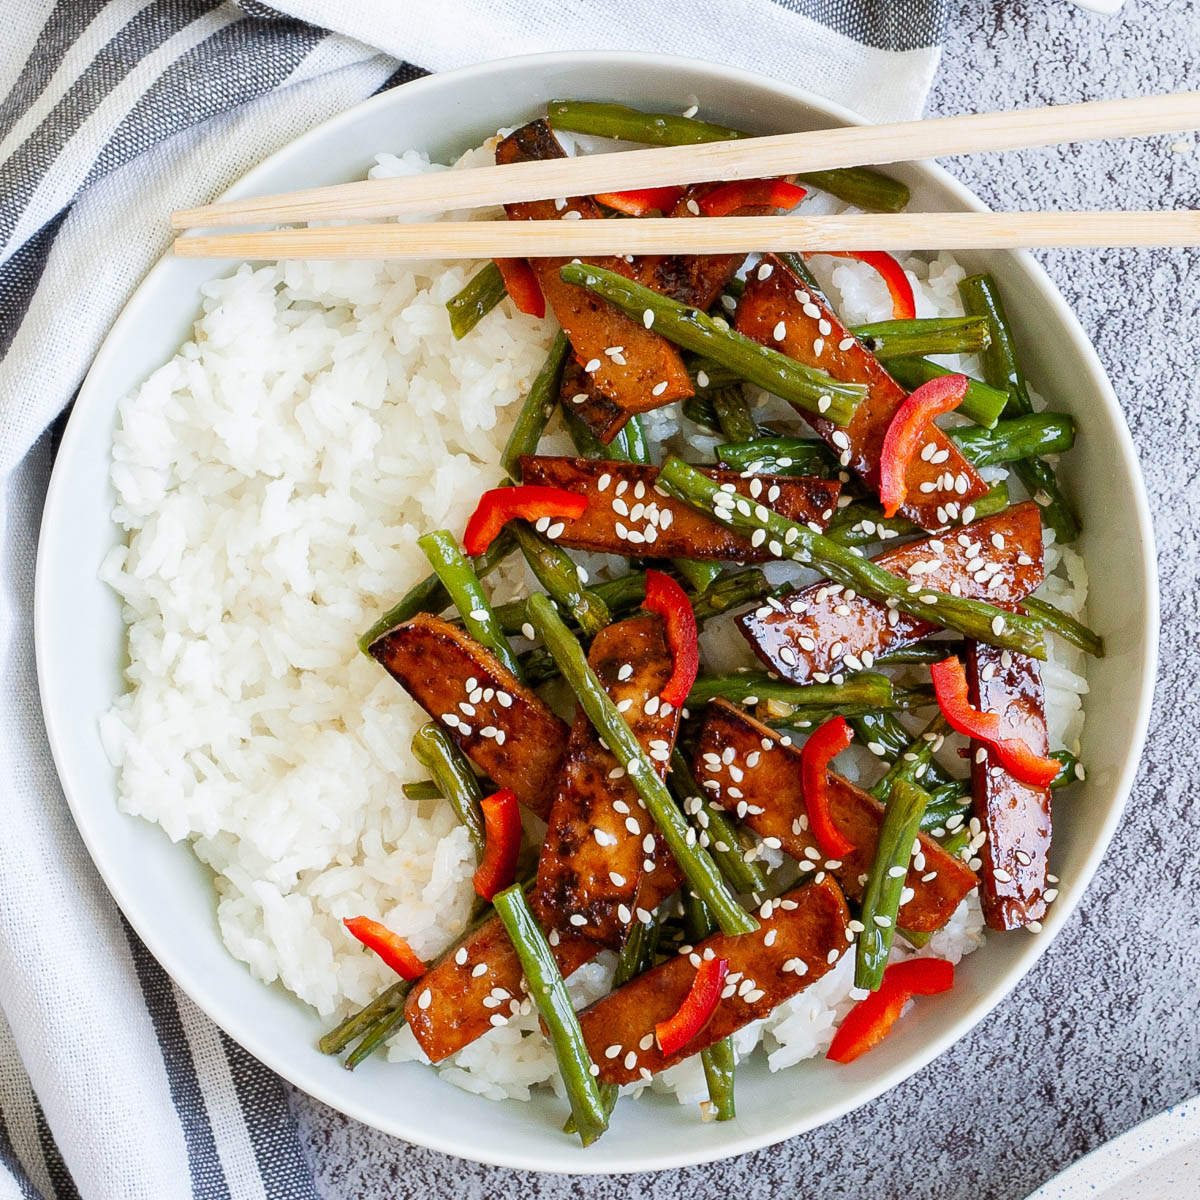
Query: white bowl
[{"x": 169, "y": 897}]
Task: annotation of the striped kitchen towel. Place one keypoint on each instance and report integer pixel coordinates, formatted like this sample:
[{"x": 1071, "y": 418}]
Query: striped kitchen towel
[{"x": 113, "y": 1086}]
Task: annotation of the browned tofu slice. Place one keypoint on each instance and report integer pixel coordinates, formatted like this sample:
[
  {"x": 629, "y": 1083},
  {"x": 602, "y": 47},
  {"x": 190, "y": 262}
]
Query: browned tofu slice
[
  {"x": 761, "y": 785},
  {"x": 622, "y": 497},
  {"x": 434, "y": 662},
  {"x": 630, "y": 364},
  {"x": 794, "y": 947},
  {"x": 822, "y": 629},
  {"x": 1016, "y": 817},
  {"x": 813, "y": 334},
  {"x": 599, "y": 833}
]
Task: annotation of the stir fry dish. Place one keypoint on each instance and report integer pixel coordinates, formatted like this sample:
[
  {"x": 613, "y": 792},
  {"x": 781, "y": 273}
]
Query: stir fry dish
[{"x": 707, "y": 828}]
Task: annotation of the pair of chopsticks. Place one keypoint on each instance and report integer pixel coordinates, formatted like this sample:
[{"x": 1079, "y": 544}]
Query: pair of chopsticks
[{"x": 751, "y": 158}]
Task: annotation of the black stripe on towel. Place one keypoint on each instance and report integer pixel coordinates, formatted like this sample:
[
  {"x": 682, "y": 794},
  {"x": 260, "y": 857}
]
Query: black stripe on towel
[
  {"x": 11, "y": 1162},
  {"x": 208, "y": 1176},
  {"x": 285, "y": 1173},
  {"x": 884, "y": 24},
  {"x": 237, "y": 63},
  {"x": 60, "y": 32},
  {"x": 56, "y": 1169},
  {"x": 25, "y": 168}
]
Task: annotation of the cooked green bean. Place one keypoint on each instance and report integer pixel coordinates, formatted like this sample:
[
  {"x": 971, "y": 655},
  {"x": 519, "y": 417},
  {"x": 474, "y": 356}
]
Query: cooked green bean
[
  {"x": 1015, "y": 438},
  {"x": 430, "y": 595},
  {"x": 717, "y": 831},
  {"x": 549, "y": 993},
  {"x": 481, "y": 293},
  {"x": 749, "y": 687},
  {"x": 804, "y": 719},
  {"x": 387, "y": 1002},
  {"x": 554, "y": 569},
  {"x": 695, "y": 862},
  {"x": 981, "y": 403},
  {"x": 699, "y": 575},
  {"x": 1072, "y": 769},
  {"x": 917, "y": 337},
  {"x": 717, "y": 1059},
  {"x": 916, "y": 763},
  {"x": 463, "y": 587},
  {"x": 863, "y": 522},
  {"x": 804, "y": 387},
  {"x": 784, "y": 538},
  {"x": 779, "y": 456},
  {"x": 379, "y": 1033},
  {"x": 1067, "y": 627},
  {"x": 885, "y": 882},
  {"x": 1002, "y": 369},
  {"x": 733, "y": 414},
  {"x": 728, "y": 592},
  {"x": 860, "y": 186},
  {"x": 920, "y": 653},
  {"x": 435, "y": 750},
  {"x": 537, "y": 408}
]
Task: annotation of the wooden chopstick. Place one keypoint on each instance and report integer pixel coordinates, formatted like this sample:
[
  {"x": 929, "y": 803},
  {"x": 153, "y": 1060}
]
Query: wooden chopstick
[
  {"x": 662, "y": 235},
  {"x": 783, "y": 154}
]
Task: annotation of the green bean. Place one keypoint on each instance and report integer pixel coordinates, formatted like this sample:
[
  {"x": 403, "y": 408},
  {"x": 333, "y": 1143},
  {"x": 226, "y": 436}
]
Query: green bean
[
  {"x": 717, "y": 1059},
  {"x": 697, "y": 574},
  {"x": 549, "y": 993},
  {"x": 1002, "y": 369},
  {"x": 798, "y": 267},
  {"x": 422, "y": 789},
  {"x": 981, "y": 403},
  {"x": 1015, "y": 438},
  {"x": 1067, "y": 627},
  {"x": 434, "y": 749},
  {"x": 916, "y": 761},
  {"x": 955, "y": 843},
  {"x": 779, "y": 456},
  {"x": 463, "y": 587},
  {"x": 804, "y": 387},
  {"x": 915, "y": 937},
  {"x": 915, "y": 338},
  {"x": 556, "y": 572},
  {"x": 946, "y": 802},
  {"x": 537, "y": 408},
  {"x": 1072, "y": 769},
  {"x": 481, "y": 293},
  {"x": 975, "y": 618},
  {"x": 805, "y": 719},
  {"x": 430, "y": 596},
  {"x": 733, "y": 413},
  {"x": 885, "y": 882},
  {"x": 728, "y": 592},
  {"x": 635, "y": 439},
  {"x": 920, "y": 653},
  {"x": 860, "y": 186},
  {"x": 882, "y": 734},
  {"x": 387, "y": 1002},
  {"x": 379, "y": 1033},
  {"x": 718, "y": 833},
  {"x": 750, "y": 687},
  {"x": 695, "y": 862},
  {"x": 863, "y": 522}
]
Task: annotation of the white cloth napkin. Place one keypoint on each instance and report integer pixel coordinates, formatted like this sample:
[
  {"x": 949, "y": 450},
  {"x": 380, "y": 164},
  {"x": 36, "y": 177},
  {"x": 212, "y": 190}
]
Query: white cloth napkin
[{"x": 112, "y": 1084}]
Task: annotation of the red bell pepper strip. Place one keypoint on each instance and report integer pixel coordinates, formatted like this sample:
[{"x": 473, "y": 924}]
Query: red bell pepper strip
[
  {"x": 521, "y": 284},
  {"x": 906, "y": 431},
  {"x": 698, "y": 1006},
  {"x": 501, "y": 505},
  {"x": 502, "y": 844},
  {"x": 1015, "y": 754},
  {"x": 904, "y": 303},
  {"x": 869, "y": 1021},
  {"x": 665, "y": 597},
  {"x": 390, "y": 947},
  {"x": 824, "y": 743},
  {"x": 751, "y": 193},
  {"x": 640, "y": 201}
]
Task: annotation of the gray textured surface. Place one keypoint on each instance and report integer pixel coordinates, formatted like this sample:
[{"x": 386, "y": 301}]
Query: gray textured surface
[{"x": 1053, "y": 1073}]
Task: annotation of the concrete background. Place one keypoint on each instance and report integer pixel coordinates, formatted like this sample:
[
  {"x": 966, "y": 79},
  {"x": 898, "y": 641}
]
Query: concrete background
[{"x": 1103, "y": 1032}]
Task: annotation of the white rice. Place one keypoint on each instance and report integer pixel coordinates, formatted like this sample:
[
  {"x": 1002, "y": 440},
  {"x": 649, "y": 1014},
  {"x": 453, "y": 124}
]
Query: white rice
[{"x": 272, "y": 479}]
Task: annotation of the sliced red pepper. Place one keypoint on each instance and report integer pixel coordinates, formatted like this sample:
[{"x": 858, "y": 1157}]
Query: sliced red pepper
[
  {"x": 698, "y": 1006},
  {"x": 499, "y": 506},
  {"x": 390, "y": 947},
  {"x": 640, "y": 201},
  {"x": 665, "y": 597},
  {"x": 502, "y": 830},
  {"x": 751, "y": 193},
  {"x": 521, "y": 284},
  {"x": 824, "y": 743},
  {"x": 869, "y": 1021},
  {"x": 1015, "y": 754},
  {"x": 907, "y": 430},
  {"x": 904, "y": 303}
]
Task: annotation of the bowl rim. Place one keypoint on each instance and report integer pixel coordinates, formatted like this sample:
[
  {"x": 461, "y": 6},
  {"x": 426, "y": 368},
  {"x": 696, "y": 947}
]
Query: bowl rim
[{"x": 228, "y": 1018}]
